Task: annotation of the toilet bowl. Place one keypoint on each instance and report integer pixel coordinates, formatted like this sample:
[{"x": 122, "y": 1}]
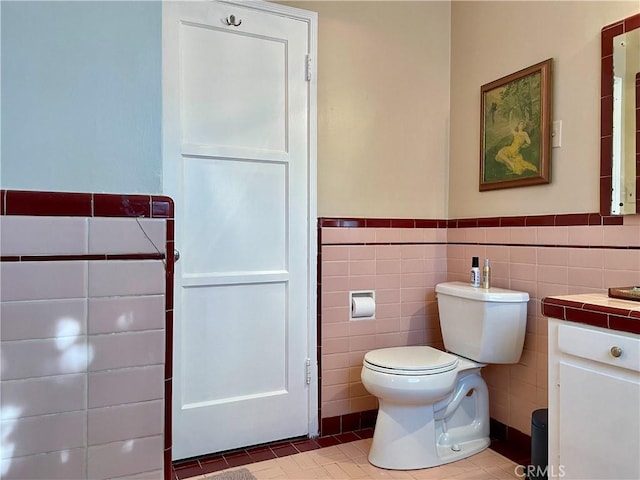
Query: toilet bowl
[
  {"x": 415, "y": 386},
  {"x": 434, "y": 405}
]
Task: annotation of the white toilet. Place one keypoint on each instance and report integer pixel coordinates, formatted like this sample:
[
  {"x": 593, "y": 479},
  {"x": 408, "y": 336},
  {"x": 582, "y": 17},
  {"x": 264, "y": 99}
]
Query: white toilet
[{"x": 434, "y": 405}]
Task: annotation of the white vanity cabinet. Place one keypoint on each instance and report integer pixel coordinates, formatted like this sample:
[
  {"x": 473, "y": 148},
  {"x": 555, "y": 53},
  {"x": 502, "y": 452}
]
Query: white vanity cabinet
[{"x": 594, "y": 402}]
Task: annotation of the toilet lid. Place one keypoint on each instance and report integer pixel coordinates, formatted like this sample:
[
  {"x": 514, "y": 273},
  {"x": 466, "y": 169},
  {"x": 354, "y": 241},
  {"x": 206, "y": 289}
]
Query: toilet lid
[{"x": 410, "y": 360}]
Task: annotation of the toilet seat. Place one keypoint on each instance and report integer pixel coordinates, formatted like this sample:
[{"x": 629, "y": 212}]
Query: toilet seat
[{"x": 415, "y": 360}]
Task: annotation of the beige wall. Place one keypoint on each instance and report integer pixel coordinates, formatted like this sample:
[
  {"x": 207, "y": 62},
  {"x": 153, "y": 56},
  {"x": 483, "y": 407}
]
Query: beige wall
[
  {"x": 492, "y": 39},
  {"x": 395, "y": 77},
  {"x": 383, "y": 108}
]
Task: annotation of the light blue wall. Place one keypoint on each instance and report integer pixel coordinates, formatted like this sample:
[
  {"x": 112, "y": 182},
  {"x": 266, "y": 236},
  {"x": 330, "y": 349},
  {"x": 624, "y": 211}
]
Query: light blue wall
[{"x": 81, "y": 96}]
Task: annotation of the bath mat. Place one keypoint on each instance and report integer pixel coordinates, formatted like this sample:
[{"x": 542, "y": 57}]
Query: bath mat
[{"x": 241, "y": 474}]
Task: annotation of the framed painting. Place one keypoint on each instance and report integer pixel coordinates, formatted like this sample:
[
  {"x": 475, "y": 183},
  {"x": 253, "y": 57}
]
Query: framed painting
[{"x": 515, "y": 129}]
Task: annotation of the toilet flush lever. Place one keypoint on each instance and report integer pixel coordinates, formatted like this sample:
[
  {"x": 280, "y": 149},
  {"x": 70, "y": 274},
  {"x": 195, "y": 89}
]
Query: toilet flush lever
[{"x": 176, "y": 255}]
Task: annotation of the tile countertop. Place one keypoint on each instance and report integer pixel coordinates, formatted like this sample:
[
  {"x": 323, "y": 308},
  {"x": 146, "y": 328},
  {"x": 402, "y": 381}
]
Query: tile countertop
[{"x": 595, "y": 309}]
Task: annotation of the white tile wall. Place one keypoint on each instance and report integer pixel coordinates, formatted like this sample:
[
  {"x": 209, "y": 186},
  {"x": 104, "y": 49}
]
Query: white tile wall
[
  {"x": 126, "y": 277},
  {"x": 128, "y": 349},
  {"x": 123, "y": 422},
  {"x": 124, "y": 458},
  {"x": 60, "y": 465},
  {"x": 42, "y": 319},
  {"x": 126, "y": 235},
  {"x": 126, "y": 314},
  {"x": 43, "y": 396},
  {"x": 125, "y": 385},
  {"x": 82, "y": 349},
  {"x": 43, "y": 433},
  {"x": 43, "y": 280},
  {"x": 26, "y": 235},
  {"x": 41, "y": 358}
]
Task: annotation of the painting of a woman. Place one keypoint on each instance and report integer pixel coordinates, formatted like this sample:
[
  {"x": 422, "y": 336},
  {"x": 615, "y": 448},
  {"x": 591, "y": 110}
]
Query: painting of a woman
[
  {"x": 515, "y": 115},
  {"x": 510, "y": 155}
]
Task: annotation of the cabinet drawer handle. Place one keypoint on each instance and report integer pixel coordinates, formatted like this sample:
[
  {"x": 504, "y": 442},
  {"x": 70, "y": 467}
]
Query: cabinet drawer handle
[{"x": 616, "y": 351}]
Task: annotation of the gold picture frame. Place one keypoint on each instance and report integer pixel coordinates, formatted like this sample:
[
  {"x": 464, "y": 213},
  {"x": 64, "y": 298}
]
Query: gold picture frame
[{"x": 515, "y": 129}]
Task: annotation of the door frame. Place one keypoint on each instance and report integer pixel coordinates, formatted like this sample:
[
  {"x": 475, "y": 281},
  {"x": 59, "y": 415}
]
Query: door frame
[{"x": 170, "y": 108}]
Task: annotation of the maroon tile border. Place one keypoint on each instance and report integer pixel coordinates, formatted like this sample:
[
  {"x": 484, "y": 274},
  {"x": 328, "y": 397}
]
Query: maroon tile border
[
  {"x": 72, "y": 204},
  {"x": 597, "y": 315},
  {"x": 581, "y": 315},
  {"x": 559, "y": 220},
  {"x": 71, "y": 258},
  {"x": 161, "y": 206},
  {"x": 121, "y": 206},
  {"x": 325, "y": 222},
  {"x": 17, "y": 202},
  {"x": 509, "y": 442},
  {"x": 350, "y": 422},
  {"x": 606, "y": 102}
]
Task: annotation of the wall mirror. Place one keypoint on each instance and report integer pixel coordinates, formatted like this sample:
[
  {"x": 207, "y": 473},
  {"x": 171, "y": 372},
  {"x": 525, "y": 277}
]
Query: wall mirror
[{"x": 620, "y": 149}]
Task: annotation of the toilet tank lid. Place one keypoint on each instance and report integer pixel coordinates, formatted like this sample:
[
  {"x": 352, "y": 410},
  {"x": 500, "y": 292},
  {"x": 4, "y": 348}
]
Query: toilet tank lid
[{"x": 493, "y": 294}]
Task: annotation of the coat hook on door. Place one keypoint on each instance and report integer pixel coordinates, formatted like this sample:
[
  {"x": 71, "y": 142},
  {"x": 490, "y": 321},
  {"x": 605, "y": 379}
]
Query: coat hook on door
[{"x": 231, "y": 20}]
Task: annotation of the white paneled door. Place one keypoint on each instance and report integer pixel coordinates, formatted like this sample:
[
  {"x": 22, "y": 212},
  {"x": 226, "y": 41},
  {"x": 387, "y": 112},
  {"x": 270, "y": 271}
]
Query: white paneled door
[{"x": 238, "y": 152}]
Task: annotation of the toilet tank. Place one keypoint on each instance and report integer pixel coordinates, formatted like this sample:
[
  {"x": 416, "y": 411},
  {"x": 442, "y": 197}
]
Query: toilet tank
[{"x": 485, "y": 325}]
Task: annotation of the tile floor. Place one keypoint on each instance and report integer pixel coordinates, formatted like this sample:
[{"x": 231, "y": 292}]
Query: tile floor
[
  {"x": 349, "y": 461},
  {"x": 197, "y": 467}
]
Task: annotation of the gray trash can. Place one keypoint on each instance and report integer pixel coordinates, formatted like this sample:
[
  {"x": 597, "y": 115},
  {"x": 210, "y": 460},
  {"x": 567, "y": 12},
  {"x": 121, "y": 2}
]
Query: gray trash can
[{"x": 539, "y": 445}]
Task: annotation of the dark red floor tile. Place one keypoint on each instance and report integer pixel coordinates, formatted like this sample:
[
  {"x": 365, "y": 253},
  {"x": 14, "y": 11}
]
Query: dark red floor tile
[
  {"x": 214, "y": 465},
  {"x": 277, "y": 444},
  {"x": 238, "y": 459},
  {"x": 284, "y": 451},
  {"x": 347, "y": 437},
  {"x": 188, "y": 472},
  {"x": 185, "y": 464},
  {"x": 364, "y": 433},
  {"x": 306, "y": 445},
  {"x": 327, "y": 441},
  {"x": 261, "y": 454}
]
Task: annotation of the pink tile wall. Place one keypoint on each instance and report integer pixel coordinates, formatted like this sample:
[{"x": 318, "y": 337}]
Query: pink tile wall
[
  {"x": 404, "y": 266},
  {"x": 82, "y": 337}
]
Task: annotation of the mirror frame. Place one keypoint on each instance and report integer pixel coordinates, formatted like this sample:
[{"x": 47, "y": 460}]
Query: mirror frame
[{"x": 606, "y": 112}]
